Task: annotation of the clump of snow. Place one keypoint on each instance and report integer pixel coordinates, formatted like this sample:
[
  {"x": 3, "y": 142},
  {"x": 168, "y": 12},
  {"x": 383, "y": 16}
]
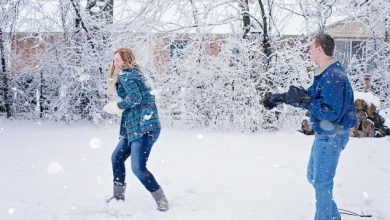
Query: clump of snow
[
  {"x": 54, "y": 168},
  {"x": 385, "y": 113},
  {"x": 369, "y": 97},
  {"x": 95, "y": 143},
  {"x": 99, "y": 179},
  {"x": 365, "y": 195},
  {"x": 147, "y": 117},
  {"x": 200, "y": 136},
  {"x": 11, "y": 211}
]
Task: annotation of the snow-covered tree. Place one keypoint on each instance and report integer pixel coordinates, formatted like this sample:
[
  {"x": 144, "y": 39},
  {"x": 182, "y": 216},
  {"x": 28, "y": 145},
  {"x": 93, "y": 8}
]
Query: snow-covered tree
[
  {"x": 9, "y": 11},
  {"x": 209, "y": 63},
  {"x": 375, "y": 16}
]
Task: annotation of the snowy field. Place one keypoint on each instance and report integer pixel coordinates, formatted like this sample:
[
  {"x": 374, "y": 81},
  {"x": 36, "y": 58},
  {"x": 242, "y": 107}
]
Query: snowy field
[{"x": 55, "y": 171}]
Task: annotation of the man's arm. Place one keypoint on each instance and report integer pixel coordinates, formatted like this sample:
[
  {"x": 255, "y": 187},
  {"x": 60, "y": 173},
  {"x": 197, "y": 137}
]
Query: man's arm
[{"x": 329, "y": 103}]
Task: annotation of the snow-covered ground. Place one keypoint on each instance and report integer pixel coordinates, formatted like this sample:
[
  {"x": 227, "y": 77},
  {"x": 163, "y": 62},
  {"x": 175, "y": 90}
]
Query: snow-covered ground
[{"x": 56, "y": 171}]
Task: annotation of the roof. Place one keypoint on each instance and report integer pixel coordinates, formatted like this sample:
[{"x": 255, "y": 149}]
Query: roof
[{"x": 351, "y": 28}]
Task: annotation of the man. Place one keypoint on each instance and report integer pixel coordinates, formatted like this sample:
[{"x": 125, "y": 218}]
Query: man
[{"x": 330, "y": 102}]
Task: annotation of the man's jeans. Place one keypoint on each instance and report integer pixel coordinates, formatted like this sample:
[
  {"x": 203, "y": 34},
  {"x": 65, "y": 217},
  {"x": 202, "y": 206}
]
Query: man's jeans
[
  {"x": 321, "y": 170},
  {"x": 139, "y": 151}
]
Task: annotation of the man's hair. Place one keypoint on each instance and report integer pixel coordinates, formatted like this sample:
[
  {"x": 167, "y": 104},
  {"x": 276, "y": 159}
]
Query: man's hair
[{"x": 326, "y": 42}]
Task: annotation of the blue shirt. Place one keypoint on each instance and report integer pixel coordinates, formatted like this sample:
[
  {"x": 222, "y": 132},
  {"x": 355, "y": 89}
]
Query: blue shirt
[
  {"x": 332, "y": 107},
  {"x": 140, "y": 114}
]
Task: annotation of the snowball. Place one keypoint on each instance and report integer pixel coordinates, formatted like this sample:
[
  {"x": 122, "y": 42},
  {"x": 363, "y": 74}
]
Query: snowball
[
  {"x": 200, "y": 136},
  {"x": 365, "y": 195},
  {"x": 11, "y": 211},
  {"x": 54, "y": 168},
  {"x": 99, "y": 179},
  {"x": 148, "y": 117},
  {"x": 95, "y": 143}
]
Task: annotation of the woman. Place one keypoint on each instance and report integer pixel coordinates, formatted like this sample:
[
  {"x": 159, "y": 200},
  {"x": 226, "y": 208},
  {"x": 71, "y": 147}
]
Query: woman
[{"x": 139, "y": 128}]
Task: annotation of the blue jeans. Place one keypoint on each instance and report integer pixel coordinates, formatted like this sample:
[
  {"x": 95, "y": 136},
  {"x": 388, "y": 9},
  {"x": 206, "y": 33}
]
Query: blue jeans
[
  {"x": 321, "y": 170},
  {"x": 139, "y": 151}
]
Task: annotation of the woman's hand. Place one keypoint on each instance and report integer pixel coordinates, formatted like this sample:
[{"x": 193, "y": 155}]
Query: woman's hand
[
  {"x": 112, "y": 82},
  {"x": 112, "y": 108}
]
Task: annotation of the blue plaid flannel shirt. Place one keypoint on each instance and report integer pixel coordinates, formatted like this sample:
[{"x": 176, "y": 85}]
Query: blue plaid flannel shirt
[{"x": 140, "y": 114}]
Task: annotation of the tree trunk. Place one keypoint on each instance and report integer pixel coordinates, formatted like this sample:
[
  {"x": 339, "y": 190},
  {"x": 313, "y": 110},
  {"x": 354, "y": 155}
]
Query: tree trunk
[
  {"x": 41, "y": 97},
  {"x": 6, "y": 91},
  {"x": 245, "y": 19},
  {"x": 387, "y": 34},
  {"x": 266, "y": 40},
  {"x": 77, "y": 32},
  {"x": 109, "y": 9},
  {"x": 108, "y": 12}
]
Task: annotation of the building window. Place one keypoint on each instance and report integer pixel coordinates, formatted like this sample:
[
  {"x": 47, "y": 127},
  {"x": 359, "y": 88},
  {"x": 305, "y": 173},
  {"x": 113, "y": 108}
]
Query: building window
[
  {"x": 372, "y": 48},
  {"x": 343, "y": 51},
  {"x": 346, "y": 50},
  {"x": 358, "y": 49},
  {"x": 177, "y": 48}
]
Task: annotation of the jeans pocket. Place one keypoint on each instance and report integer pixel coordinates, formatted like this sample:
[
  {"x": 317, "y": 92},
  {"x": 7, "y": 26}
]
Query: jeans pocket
[
  {"x": 342, "y": 140},
  {"x": 323, "y": 138},
  {"x": 336, "y": 149},
  {"x": 152, "y": 136}
]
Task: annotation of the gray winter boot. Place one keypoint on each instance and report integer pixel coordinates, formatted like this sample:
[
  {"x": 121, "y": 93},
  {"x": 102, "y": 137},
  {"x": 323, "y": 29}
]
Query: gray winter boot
[
  {"x": 119, "y": 191},
  {"x": 161, "y": 200}
]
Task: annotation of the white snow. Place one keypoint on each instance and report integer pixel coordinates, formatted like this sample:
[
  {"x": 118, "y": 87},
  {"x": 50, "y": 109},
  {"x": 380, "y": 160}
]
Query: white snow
[
  {"x": 219, "y": 176},
  {"x": 385, "y": 113},
  {"x": 148, "y": 117},
  {"x": 54, "y": 168},
  {"x": 200, "y": 136},
  {"x": 11, "y": 211},
  {"x": 95, "y": 142}
]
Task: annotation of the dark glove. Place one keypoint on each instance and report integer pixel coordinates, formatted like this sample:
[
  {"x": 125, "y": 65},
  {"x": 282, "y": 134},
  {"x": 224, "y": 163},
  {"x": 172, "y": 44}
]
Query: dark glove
[
  {"x": 298, "y": 97},
  {"x": 271, "y": 101}
]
